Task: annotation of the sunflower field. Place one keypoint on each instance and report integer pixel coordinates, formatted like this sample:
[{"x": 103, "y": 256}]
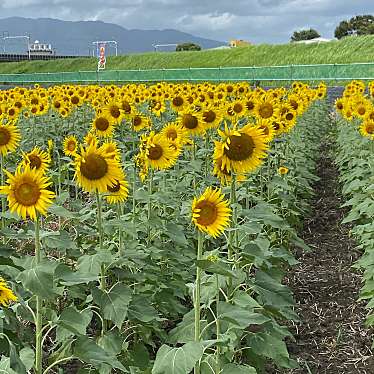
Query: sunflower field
[
  {"x": 148, "y": 228},
  {"x": 355, "y": 131}
]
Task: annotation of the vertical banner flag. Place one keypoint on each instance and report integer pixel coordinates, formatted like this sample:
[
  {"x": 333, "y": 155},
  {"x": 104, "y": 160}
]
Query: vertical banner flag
[{"x": 102, "y": 59}]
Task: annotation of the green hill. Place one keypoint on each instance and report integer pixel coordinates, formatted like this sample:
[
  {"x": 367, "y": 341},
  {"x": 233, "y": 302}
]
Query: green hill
[{"x": 348, "y": 50}]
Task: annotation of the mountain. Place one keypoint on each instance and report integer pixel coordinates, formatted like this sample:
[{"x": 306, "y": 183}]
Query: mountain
[{"x": 75, "y": 38}]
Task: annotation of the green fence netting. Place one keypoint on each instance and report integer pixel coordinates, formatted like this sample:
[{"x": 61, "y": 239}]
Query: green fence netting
[{"x": 323, "y": 72}]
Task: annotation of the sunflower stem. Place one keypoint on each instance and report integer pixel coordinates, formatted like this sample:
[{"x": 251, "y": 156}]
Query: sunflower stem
[
  {"x": 232, "y": 234},
  {"x": 3, "y": 201},
  {"x": 150, "y": 187},
  {"x": 200, "y": 244},
  {"x": 133, "y": 185},
  {"x": 39, "y": 307},
  {"x": 101, "y": 247},
  {"x": 218, "y": 332},
  {"x": 120, "y": 242}
]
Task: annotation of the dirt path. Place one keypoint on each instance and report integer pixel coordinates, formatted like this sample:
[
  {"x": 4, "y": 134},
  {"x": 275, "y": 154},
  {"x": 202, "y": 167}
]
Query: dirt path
[{"x": 331, "y": 337}]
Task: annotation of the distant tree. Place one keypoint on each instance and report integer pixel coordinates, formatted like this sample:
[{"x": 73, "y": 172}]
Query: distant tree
[
  {"x": 188, "y": 47},
  {"x": 304, "y": 35},
  {"x": 358, "y": 25}
]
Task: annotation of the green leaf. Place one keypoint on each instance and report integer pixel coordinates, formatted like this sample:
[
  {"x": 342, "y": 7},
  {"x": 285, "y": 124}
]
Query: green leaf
[
  {"x": 91, "y": 264},
  {"x": 59, "y": 240},
  {"x": 238, "y": 369},
  {"x": 69, "y": 277},
  {"x": 141, "y": 309},
  {"x": 177, "y": 360},
  {"x": 15, "y": 362},
  {"x": 218, "y": 267},
  {"x": 241, "y": 317},
  {"x": 114, "y": 303},
  {"x": 27, "y": 356},
  {"x": 60, "y": 211},
  {"x": 176, "y": 234},
  {"x": 88, "y": 351},
  {"x": 73, "y": 320},
  {"x": 38, "y": 281}
]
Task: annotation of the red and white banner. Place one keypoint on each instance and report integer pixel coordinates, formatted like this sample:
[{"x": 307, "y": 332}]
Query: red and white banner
[{"x": 102, "y": 58}]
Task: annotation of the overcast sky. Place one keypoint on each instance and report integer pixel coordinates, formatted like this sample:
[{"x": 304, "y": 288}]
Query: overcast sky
[{"x": 259, "y": 21}]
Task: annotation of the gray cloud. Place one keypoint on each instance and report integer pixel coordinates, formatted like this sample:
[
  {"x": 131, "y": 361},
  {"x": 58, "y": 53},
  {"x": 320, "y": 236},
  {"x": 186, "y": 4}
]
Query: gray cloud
[{"x": 259, "y": 21}]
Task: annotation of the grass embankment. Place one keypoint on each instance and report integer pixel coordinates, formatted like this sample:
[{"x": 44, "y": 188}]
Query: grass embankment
[{"x": 349, "y": 50}]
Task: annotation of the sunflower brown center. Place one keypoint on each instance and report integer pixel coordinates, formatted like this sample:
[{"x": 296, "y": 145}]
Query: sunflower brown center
[
  {"x": 126, "y": 106},
  {"x": 101, "y": 123},
  {"x": 209, "y": 116},
  {"x": 189, "y": 121},
  {"x": 289, "y": 116},
  {"x": 237, "y": 108},
  {"x": 27, "y": 193},
  {"x": 57, "y": 104},
  {"x": 11, "y": 112},
  {"x": 370, "y": 128},
  {"x": 177, "y": 101},
  {"x": 34, "y": 101},
  {"x": 75, "y": 100},
  {"x": 155, "y": 152},
  {"x": 240, "y": 147},
  {"x": 94, "y": 167},
  {"x": 4, "y": 136},
  {"x": 71, "y": 145},
  {"x": 208, "y": 213},
  {"x": 171, "y": 134},
  {"x": 266, "y": 110},
  {"x": 35, "y": 161},
  {"x": 265, "y": 130},
  {"x": 294, "y": 104},
  {"x": 250, "y": 105},
  {"x": 114, "y": 111},
  {"x": 115, "y": 188},
  {"x": 361, "y": 110},
  {"x": 137, "y": 121}
]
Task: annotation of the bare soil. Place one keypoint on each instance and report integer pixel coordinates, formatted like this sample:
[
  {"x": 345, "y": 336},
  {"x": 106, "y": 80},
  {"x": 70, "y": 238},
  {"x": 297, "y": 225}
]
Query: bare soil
[{"x": 331, "y": 338}]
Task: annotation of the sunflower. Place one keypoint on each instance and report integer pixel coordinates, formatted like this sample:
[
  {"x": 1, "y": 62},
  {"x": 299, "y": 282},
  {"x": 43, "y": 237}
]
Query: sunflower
[
  {"x": 90, "y": 139},
  {"x": 210, "y": 212},
  {"x": 242, "y": 150},
  {"x": 175, "y": 133},
  {"x": 6, "y": 294},
  {"x": 139, "y": 121},
  {"x": 192, "y": 121},
  {"x": 157, "y": 152},
  {"x": 111, "y": 149},
  {"x": 267, "y": 129},
  {"x": 118, "y": 192},
  {"x": 37, "y": 159},
  {"x": 102, "y": 125},
  {"x": 70, "y": 145},
  {"x": 212, "y": 116},
  {"x": 282, "y": 170},
  {"x": 12, "y": 112},
  {"x": 367, "y": 129},
  {"x": 178, "y": 102},
  {"x": 114, "y": 111},
  {"x": 27, "y": 192},
  {"x": 9, "y": 138},
  {"x": 95, "y": 169},
  {"x": 266, "y": 108},
  {"x": 224, "y": 175}
]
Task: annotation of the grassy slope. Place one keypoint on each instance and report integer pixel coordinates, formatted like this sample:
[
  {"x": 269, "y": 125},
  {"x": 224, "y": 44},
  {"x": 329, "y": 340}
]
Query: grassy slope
[{"x": 353, "y": 49}]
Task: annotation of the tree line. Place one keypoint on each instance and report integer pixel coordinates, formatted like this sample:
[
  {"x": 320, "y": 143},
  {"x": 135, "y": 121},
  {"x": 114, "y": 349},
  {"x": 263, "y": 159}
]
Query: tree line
[{"x": 358, "y": 25}]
